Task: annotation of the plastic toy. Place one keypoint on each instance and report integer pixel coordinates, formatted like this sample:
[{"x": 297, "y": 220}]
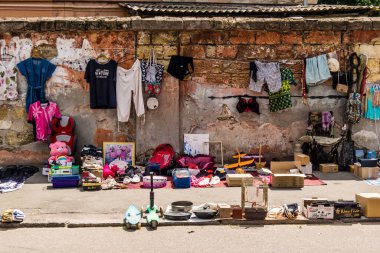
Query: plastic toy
[
  {"x": 152, "y": 217},
  {"x": 132, "y": 217},
  {"x": 58, "y": 152}
]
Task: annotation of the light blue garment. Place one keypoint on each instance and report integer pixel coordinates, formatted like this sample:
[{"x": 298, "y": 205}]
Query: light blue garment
[
  {"x": 317, "y": 70},
  {"x": 372, "y": 112}
]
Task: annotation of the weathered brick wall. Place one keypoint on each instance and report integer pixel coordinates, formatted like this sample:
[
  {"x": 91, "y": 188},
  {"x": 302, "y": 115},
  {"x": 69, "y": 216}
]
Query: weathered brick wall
[{"x": 222, "y": 50}]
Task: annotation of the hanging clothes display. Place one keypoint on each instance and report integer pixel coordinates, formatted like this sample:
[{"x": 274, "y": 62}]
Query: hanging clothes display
[
  {"x": 41, "y": 115},
  {"x": 265, "y": 73},
  {"x": 128, "y": 86},
  {"x": 372, "y": 111},
  {"x": 102, "y": 80},
  {"x": 281, "y": 100},
  {"x": 317, "y": 70},
  {"x": 37, "y": 72},
  {"x": 8, "y": 80}
]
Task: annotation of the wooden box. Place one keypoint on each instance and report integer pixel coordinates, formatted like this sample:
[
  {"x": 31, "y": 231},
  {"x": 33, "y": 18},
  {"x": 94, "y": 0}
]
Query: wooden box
[
  {"x": 303, "y": 159},
  {"x": 236, "y": 179},
  {"x": 328, "y": 168}
]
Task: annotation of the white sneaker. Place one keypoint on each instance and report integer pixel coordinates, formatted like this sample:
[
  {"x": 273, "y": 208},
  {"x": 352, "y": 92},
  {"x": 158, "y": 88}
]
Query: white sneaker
[
  {"x": 214, "y": 180},
  {"x": 135, "y": 179}
]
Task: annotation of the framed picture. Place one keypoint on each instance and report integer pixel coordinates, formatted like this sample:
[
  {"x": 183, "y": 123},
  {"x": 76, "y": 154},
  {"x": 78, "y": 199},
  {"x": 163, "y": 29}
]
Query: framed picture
[
  {"x": 124, "y": 151},
  {"x": 196, "y": 144}
]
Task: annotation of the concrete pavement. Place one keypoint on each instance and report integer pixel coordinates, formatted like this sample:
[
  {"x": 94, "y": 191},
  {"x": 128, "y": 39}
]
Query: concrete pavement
[
  {"x": 58, "y": 207},
  {"x": 209, "y": 239}
]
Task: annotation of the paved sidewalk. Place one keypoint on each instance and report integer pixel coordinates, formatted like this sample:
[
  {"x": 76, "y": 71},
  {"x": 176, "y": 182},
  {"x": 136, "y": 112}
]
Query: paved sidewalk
[{"x": 44, "y": 205}]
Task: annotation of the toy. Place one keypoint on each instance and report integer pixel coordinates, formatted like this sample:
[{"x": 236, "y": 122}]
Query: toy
[
  {"x": 107, "y": 172},
  {"x": 132, "y": 217},
  {"x": 58, "y": 152},
  {"x": 152, "y": 218},
  {"x": 239, "y": 164}
]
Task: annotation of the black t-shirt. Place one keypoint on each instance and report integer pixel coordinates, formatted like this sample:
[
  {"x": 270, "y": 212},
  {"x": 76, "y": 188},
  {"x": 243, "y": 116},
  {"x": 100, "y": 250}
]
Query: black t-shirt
[{"x": 102, "y": 80}]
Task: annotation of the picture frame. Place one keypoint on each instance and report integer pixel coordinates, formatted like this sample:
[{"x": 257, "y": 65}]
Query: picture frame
[{"x": 124, "y": 151}]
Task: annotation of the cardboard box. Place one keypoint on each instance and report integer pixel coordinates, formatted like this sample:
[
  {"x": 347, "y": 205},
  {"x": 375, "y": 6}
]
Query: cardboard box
[
  {"x": 328, "y": 168},
  {"x": 356, "y": 169},
  {"x": 282, "y": 178},
  {"x": 303, "y": 159},
  {"x": 318, "y": 208},
  {"x": 236, "y": 179},
  {"x": 370, "y": 203},
  {"x": 368, "y": 172},
  {"x": 225, "y": 211},
  {"x": 346, "y": 209},
  {"x": 306, "y": 169}
]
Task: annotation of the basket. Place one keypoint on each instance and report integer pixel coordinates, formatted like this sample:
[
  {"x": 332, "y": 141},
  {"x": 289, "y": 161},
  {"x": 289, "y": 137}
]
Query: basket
[{"x": 158, "y": 181}]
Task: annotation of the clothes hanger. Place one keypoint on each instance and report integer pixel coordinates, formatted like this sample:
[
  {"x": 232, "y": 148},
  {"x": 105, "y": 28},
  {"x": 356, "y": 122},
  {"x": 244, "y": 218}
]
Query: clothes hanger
[
  {"x": 6, "y": 56},
  {"x": 102, "y": 58}
]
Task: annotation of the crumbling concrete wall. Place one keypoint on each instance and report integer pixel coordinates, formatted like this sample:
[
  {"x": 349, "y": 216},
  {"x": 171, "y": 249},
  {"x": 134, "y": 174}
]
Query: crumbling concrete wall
[{"x": 222, "y": 50}]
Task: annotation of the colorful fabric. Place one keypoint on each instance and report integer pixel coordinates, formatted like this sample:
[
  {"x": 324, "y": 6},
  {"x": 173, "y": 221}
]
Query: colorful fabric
[
  {"x": 8, "y": 80},
  {"x": 42, "y": 115},
  {"x": 372, "y": 112},
  {"x": 37, "y": 72},
  {"x": 327, "y": 120},
  {"x": 281, "y": 100},
  {"x": 265, "y": 73}
]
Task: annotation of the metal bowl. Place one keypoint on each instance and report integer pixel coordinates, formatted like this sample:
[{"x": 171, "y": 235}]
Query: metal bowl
[
  {"x": 177, "y": 215},
  {"x": 182, "y": 206},
  {"x": 205, "y": 213}
]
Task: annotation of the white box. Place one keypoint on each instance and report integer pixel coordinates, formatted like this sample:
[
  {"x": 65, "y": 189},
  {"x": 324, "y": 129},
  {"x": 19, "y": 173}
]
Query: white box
[
  {"x": 307, "y": 169},
  {"x": 45, "y": 171},
  {"x": 317, "y": 211}
]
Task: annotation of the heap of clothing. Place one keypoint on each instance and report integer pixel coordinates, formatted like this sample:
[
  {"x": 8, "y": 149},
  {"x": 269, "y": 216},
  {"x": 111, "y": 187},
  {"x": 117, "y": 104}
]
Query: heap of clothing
[
  {"x": 12, "y": 215},
  {"x": 13, "y": 177}
]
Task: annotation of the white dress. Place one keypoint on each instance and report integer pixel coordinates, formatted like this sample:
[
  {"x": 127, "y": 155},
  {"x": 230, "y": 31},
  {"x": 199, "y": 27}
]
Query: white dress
[{"x": 128, "y": 85}]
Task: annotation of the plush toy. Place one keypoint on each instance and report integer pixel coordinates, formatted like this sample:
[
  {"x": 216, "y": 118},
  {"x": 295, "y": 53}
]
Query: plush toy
[
  {"x": 58, "y": 152},
  {"x": 107, "y": 172}
]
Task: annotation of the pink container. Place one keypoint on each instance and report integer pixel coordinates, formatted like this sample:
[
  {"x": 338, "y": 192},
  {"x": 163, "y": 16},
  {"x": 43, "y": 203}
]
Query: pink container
[{"x": 158, "y": 181}]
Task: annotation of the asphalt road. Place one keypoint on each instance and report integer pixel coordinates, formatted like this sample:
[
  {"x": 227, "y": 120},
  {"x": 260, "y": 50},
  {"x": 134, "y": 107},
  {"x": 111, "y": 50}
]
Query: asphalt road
[{"x": 280, "y": 238}]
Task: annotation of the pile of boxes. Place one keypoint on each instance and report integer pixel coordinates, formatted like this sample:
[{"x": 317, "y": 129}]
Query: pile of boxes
[
  {"x": 92, "y": 171},
  {"x": 64, "y": 176},
  {"x": 287, "y": 175}
]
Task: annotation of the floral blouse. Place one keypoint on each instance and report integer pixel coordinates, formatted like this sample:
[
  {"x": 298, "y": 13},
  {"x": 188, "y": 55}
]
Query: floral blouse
[
  {"x": 8, "y": 80},
  {"x": 42, "y": 115}
]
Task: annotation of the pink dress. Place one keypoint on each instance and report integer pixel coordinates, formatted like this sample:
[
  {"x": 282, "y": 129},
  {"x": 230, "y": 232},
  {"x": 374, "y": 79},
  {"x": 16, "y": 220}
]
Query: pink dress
[{"x": 42, "y": 115}]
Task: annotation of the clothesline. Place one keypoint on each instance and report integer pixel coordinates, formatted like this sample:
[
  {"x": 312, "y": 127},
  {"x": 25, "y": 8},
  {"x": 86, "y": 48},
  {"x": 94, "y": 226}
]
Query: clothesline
[{"x": 266, "y": 97}]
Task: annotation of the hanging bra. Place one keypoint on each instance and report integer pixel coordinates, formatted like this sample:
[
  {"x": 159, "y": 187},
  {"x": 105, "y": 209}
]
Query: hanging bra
[{"x": 244, "y": 106}]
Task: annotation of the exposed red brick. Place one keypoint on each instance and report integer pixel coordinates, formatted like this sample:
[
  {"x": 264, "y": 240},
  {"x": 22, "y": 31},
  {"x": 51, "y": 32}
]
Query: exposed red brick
[
  {"x": 323, "y": 37},
  {"x": 226, "y": 52},
  {"x": 206, "y": 37},
  {"x": 285, "y": 51},
  {"x": 269, "y": 38},
  {"x": 249, "y": 52},
  {"x": 361, "y": 36},
  {"x": 196, "y": 51},
  {"x": 104, "y": 135},
  {"x": 208, "y": 66},
  {"x": 291, "y": 38},
  {"x": 242, "y": 37}
]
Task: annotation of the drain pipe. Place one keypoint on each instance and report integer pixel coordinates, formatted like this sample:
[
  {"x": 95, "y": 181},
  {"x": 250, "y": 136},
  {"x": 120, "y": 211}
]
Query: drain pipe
[{"x": 305, "y": 2}]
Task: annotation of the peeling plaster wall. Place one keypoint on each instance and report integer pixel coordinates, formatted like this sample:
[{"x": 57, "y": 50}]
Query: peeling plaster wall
[{"x": 222, "y": 50}]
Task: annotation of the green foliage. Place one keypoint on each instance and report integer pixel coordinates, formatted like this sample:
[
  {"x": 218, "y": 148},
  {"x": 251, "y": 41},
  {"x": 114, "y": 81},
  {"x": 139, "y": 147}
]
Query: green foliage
[{"x": 351, "y": 2}]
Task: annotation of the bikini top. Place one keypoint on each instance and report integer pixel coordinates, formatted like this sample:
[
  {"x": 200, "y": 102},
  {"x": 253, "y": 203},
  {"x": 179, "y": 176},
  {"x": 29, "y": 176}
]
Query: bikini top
[{"x": 244, "y": 106}]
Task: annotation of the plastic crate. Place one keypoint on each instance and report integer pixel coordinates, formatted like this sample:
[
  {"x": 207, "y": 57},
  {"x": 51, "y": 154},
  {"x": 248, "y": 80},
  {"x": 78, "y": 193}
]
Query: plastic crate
[
  {"x": 64, "y": 170},
  {"x": 65, "y": 182}
]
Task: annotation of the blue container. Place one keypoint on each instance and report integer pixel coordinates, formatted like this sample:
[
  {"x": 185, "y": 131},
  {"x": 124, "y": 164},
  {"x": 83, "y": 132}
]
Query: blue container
[
  {"x": 181, "y": 178},
  {"x": 371, "y": 154},
  {"x": 66, "y": 182}
]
